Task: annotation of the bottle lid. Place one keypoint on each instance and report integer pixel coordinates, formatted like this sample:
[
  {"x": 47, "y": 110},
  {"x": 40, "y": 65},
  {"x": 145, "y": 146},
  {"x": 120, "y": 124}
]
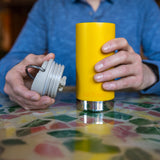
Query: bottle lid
[{"x": 49, "y": 79}]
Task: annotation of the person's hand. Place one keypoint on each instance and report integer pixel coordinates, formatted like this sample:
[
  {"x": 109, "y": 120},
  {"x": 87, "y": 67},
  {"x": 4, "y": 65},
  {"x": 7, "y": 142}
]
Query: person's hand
[
  {"x": 125, "y": 65},
  {"x": 18, "y": 84}
]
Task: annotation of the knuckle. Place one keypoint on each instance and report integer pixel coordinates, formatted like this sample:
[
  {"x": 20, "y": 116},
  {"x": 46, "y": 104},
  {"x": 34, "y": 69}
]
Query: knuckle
[
  {"x": 6, "y": 90},
  {"x": 124, "y": 41},
  {"x": 124, "y": 56},
  {"x": 124, "y": 69},
  {"x": 29, "y": 57},
  {"x": 13, "y": 99},
  {"x": 138, "y": 58},
  {"x": 16, "y": 89},
  {"x": 111, "y": 42},
  {"x": 125, "y": 84},
  {"x": 108, "y": 75},
  {"x": 8, "y": 77}
]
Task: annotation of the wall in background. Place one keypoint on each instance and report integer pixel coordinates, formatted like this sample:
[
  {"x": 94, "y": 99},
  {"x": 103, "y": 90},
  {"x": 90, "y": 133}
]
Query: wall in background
[
  {"x": 13, "y": 14},
  {"x": 158, "y": 1}
]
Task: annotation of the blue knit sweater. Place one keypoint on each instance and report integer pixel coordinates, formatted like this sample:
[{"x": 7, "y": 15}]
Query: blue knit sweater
[{"x": 51, "y": 27}]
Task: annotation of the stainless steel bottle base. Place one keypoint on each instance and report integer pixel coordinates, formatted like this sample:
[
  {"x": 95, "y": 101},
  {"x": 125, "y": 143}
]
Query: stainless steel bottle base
[{"x": 94, "y": 106}]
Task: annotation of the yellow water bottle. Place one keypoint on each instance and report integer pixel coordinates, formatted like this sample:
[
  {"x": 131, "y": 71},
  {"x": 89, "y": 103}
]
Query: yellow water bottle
[{"x": 90, "y": 37}]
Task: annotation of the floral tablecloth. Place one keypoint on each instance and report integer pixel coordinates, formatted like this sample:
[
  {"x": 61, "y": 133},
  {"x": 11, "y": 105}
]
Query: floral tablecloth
[{"x": 127, "y": 130}]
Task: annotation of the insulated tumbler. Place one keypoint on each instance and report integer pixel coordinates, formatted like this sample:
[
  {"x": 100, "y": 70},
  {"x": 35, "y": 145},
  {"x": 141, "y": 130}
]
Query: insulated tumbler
[{"x": 90, "y": 37}]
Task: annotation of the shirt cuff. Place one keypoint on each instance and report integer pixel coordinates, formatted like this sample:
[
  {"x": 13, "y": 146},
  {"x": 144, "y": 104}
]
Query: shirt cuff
[{"x": 155, "y": 88}]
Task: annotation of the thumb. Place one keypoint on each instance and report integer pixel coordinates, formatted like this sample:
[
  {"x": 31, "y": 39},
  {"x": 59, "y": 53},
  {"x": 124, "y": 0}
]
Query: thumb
[{"x": 49, "y": 56}]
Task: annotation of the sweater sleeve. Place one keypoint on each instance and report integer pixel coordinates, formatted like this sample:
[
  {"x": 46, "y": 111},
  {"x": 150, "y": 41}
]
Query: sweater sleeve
[
  {"x": 32, "y": 39},
  {"x": 151, "y": 41}
]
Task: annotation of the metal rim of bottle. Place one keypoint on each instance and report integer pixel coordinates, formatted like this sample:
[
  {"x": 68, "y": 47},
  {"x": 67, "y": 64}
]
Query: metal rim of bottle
[{"x": 94, "y": 106}]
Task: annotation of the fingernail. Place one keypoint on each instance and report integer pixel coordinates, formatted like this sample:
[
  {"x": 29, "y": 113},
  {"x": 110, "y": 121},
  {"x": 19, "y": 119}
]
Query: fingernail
[
  {"x": 47, "y": 101},
  {"x": 26, "y": 108},
  {"x": 98, "y": 77},
  {"x": 106, "y": 47},
  {"x": 35, "y": 97},
  {"x": 98, "y": 67}
]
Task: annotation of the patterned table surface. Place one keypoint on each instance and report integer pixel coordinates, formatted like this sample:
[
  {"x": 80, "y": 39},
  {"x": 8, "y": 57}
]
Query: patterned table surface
[{"x": 129, "y": 130}]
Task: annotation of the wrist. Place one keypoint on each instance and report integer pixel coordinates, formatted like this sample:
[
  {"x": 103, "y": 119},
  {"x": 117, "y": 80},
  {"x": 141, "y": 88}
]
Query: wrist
[{"x": 151, "y": 75}]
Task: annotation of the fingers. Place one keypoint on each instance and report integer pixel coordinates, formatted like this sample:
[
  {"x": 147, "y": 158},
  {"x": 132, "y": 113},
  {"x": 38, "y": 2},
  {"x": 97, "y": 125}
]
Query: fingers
[
  {"x": 125, "y": 83},
  {"x": 43, "y": 103},
  {"x": 49, "y": 56},
  {"x": 125, "y": 64},
  {"x": 15, "y": 84},
  {"x": 120, "y": 71},
  {"x": 129, "y": 78},
  {"x": 16, "y": 81},
  {"x": 116, "y": 44},
  {"x": 114, "y": 60},
  {"x": 32, "y": 59},
  {"x": 28, "y": 99},
  {"x": 122, "y": 57}
]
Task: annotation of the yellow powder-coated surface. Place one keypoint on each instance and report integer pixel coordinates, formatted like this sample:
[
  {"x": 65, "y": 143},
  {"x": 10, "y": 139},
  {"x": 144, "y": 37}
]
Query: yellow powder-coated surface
[{"x": 90, "y": 37}]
